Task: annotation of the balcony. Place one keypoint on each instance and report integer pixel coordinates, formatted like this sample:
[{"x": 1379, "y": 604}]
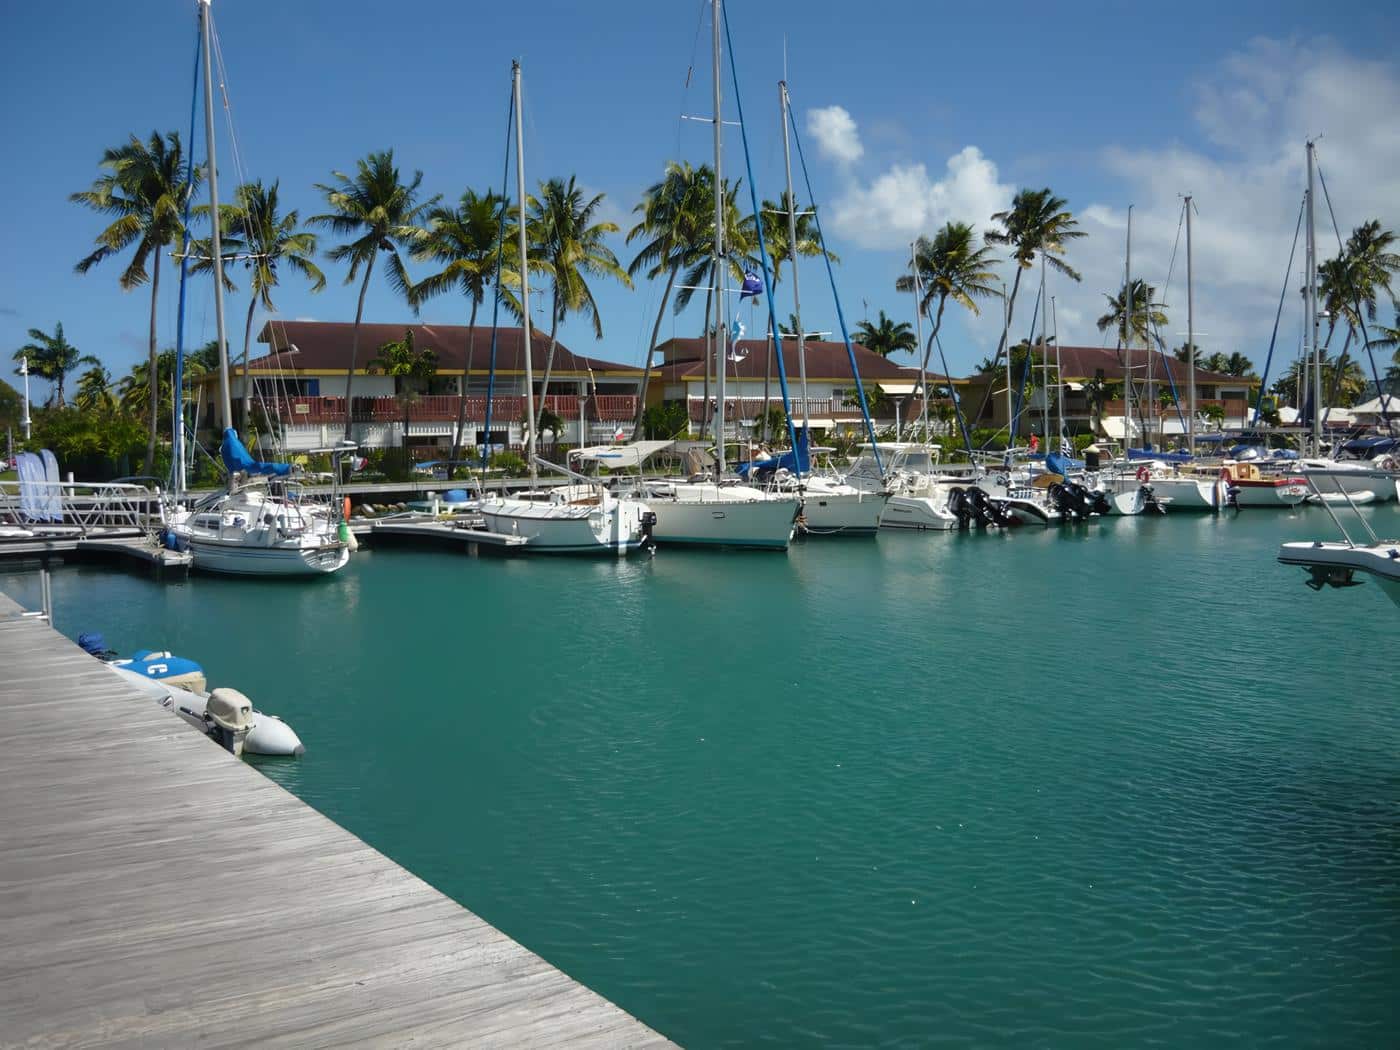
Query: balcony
[
  {"x": 737, "y": 409},
  {"x": 443, "y": 408}
]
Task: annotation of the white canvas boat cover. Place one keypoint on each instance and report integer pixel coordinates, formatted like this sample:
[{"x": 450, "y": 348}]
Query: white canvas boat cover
[{"x": 611, "y": 456}]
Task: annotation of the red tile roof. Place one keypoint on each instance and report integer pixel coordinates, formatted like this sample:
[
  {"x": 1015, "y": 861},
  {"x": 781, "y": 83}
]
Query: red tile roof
[
  {"x": 825, "y": 361},
  {"x": 325, "y": 346},
  {"x": 1083, "y": 362}
]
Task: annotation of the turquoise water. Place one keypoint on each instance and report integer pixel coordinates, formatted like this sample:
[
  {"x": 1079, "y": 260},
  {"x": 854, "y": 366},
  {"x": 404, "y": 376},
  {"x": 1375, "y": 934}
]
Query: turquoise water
[{"x": 1132, "y": 784}]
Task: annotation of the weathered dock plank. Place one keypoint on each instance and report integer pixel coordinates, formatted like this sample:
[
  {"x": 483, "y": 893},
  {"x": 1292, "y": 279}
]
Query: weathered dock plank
[{"x": 156, "y": 891}]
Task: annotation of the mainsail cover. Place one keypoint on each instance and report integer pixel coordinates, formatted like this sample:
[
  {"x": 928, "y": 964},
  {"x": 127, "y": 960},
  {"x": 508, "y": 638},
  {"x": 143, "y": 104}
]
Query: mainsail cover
[{"x": 237, "y": 458}]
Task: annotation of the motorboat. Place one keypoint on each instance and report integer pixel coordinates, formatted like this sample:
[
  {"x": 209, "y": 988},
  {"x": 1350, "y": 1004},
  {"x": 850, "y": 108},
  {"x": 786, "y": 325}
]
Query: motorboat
[
  {"x": 1378, "y": 476},
  {"x": 1249, "y": 487},
  {"x": 570, "y": 519},
  {"x": 1336, "y": 563},
  {"x": 178, "y": 684},
  {"x": 917, "y": 497},
  {"x": 830, "y": 505}
]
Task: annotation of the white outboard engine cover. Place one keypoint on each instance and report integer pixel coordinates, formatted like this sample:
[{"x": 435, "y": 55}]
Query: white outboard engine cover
[{"x": 230, "y": 716}]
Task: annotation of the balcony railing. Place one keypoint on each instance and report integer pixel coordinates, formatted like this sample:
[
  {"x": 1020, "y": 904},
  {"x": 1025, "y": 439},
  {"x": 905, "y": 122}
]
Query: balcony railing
[{"x": 443, "y": 408}]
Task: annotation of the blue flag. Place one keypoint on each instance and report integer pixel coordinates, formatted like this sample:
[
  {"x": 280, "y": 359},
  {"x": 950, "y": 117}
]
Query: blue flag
[{"x": 753, "y": 286}]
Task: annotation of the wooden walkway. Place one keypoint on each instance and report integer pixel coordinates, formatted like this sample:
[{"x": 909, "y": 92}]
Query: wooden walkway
[{"x": 155, "y": 891}]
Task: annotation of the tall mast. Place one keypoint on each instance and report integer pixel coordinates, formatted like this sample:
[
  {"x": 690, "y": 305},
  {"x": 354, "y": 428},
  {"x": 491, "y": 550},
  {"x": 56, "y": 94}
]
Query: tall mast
[
  {"x": 1006, "y": 341},
  {"x": 918, "y": 336},
  {"x": 718, "y": 258},
  {"x": 1190, "y": 340},
  {"x": 792, "y": 259},
  {"x": 524, "y": 274},
  {"x": 1128, "y": 339},
  {"x": 216, "y": 241},
  {"x": 1044, "y": 363},
  {"x": 1059, "y": 378},
  {"x": 1311, "y": 319}
]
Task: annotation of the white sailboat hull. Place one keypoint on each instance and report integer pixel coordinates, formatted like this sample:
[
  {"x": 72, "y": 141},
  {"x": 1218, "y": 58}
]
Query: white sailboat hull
[
  {"x": 763, "y": 524},
  {"x": 1191, "y": 493},
  {"x": 918, "y": 512},
  {"x": 245, "y": 559},
  {"x": 614, "y": 527},
  {"x": 846, "y": 513}
]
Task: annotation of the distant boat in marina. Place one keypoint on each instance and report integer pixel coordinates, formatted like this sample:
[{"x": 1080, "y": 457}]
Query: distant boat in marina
[{"x": 252, "y": 528}]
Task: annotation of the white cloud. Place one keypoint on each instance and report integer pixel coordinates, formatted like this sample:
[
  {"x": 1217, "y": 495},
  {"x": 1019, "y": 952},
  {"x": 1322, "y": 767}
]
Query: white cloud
[
  {"x": 906, "y": 200},
  {"x": 836, "y": 134},
  {"x": 1254, "y": 111}
]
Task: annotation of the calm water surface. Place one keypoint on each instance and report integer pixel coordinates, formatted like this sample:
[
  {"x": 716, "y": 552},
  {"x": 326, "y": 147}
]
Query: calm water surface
[{"x": 1124, "y": 785}]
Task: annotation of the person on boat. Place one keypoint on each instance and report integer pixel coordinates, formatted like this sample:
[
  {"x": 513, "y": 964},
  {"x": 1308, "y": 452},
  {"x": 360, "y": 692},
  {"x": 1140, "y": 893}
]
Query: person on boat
[
  {"x": 1091, "y": 456},
  {"x": 1035, "y": 443}
]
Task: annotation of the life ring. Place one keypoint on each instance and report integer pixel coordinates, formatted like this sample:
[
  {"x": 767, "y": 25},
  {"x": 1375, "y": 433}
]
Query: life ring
[{"x": 1143, "y": 473}]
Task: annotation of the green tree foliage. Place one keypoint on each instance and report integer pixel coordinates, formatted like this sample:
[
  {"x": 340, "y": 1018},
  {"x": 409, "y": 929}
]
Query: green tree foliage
[
  {"x": 411, "y": 368},
  {"x": 666, "y": 421},
  {"x": 570, "y": 242},
  {"x": 466, "y": 242},
  {"x": 52, "y": 357},
  {"x": 378, "y": 212},
  {"x": 94, "y": 446},
  {"x": 143, "y": 187},
  {"x": 949, "y": 265},
  {"x": 885, "y": 336},
  {"x": 1147, "y": 314}
]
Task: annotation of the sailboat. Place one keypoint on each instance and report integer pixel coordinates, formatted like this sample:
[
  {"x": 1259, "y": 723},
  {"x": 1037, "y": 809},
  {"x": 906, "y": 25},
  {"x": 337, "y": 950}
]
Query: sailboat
[
  {"x": 253, "y": 527},
  {"x": 720, "y": 511},
  {"x": 579, "y": 518}
]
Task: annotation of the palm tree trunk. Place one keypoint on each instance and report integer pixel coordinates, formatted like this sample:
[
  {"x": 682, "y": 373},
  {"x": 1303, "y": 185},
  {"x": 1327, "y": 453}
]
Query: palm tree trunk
[
  {"x": 247, "y": 340},
  {"x": 462, "y": 391},
  {"x": 1001, "y": 345},
  {"x": 705, "y": 407},
  {"x": 152, "y": 364},
  {"x": 651, "y": 352},
  {"x": 928, "y": 351},
  {"x": 548, "y": 357},
  {"x": 355, "y": 344}
]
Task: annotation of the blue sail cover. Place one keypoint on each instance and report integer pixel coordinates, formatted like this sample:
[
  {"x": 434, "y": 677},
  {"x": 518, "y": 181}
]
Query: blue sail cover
[
  {"x": 795, "y": 461},
  {"x": 1058, "y": 464},
  {"x": 1165, "y": 457},
  {"x": 236, "y": 458}
]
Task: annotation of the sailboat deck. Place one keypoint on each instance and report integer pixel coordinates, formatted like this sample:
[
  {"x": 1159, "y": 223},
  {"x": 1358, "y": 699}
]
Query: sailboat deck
[{"x": 156, "y": 891}]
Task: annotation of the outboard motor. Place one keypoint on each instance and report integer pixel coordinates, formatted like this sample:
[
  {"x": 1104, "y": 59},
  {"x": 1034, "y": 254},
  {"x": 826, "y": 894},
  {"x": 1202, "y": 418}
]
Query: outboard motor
[
  {"x": 1000, "y": 512},
  {"x": 960, "y": 506},
  {"x": 1150, "y": 505},
  {"x": 648, "y": 528},
  {"x": 981, "y": 507},
  {"x": 1099, "y": 502},
  {"x": 229, "y": 717}
]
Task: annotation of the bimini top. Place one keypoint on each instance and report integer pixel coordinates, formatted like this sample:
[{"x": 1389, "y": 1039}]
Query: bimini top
[
  {"x": 632, "y": 455},
  {"x": 237, "y": 458}
]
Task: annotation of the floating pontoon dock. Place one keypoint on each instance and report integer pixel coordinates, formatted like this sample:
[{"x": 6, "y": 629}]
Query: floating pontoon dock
[{"x": 156, "y": 891}]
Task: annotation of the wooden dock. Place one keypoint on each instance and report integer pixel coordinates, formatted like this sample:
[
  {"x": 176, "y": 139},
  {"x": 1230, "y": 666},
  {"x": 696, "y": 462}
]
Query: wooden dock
[
  {"x": 156, "y": 891},
  {"x": 129, "y": 545}
]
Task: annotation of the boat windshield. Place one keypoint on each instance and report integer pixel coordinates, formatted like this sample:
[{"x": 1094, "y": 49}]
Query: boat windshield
[{"x": 915, "y": 459}]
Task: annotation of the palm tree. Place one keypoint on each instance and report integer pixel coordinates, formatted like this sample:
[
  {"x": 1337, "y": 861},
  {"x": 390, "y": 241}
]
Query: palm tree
[
  {"x": 255, "y": 234},
  {"x": 738, "y": 250},
  {"x": 411, "y": 368},
  {"x": 134, "y": 390},
  {"x": 1100, "y": 392},
  {"x": 379, "y": 213},
  {"x": 1147, "y": 314},
  {"x": 466, "y": 241},
  {"x": 1350, "y": 284},
  {"x": 52, "y": 357},
  {"x": 885, "y": 336},
  {"x": 1038, "y": 224},
  {"x": 675, "y": 216},
  {"x": 143, "y": 185},
  {"x": 94, "y": 393},
  {"x": 950, "y": 266},
  {"x": 570, "y": 244}
]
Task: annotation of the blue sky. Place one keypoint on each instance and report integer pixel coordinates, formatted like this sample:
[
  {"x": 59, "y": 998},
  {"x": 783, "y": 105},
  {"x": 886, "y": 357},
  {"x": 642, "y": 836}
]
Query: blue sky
[{"x": 945, "y": 111}]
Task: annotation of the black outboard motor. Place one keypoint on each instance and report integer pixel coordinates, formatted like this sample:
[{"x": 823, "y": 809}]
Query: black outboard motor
[
  {"x": 649, "y": 527},
  {"x": 1150, "y": 505},
  {"x": 960, "y": 506},
  {"x": 999, "y": 510},
  {"x": 1099, "y": 502},
  {"x": 981, "y": 507}
]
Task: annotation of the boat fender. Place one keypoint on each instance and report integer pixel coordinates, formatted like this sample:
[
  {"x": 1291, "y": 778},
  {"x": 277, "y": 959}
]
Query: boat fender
[
  {"x": 1225, "y": 474},
  {"x": 345, "y": 508},
  {"x": 1143, "y": 473}
]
